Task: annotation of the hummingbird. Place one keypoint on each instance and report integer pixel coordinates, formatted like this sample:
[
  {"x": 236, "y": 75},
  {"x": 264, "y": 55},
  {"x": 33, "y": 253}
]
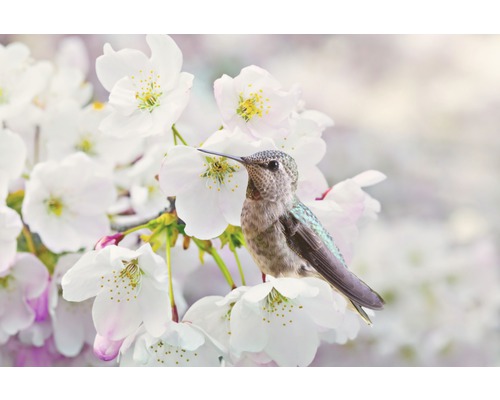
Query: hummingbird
[{"x": 285, "y": 238}]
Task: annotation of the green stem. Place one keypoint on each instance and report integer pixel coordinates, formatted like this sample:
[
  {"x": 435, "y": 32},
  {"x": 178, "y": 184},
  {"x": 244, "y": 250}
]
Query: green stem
[
  {"x": 178, "y": 135},
  {"x": 175, "y": 316},
  {"x": 222, "y": 266},
  {"x": 218, "y": 260},
  {"x": 29, "y": 240},
  {"x": 240, "y": 269},
  {"x": 135, "y": 228}
]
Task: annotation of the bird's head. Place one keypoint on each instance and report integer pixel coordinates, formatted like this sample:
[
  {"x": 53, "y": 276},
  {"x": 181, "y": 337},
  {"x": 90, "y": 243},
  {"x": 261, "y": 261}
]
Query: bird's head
[{"x": 272, "y": 174}]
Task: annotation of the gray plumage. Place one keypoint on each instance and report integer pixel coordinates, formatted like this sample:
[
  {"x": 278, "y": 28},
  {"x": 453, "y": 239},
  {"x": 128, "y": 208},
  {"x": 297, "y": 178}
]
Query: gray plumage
[{"x": 285, "y": 238}]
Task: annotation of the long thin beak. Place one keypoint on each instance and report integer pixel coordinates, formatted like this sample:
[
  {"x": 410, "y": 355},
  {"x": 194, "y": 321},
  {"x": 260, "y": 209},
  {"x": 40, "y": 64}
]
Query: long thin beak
[{"x": 239, "y": 159}]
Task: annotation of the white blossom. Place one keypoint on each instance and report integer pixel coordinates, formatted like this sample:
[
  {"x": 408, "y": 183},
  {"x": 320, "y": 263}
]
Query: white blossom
[
  {"x": 146, "y": 197},
  {"x": 20, "y": 80},
  {"x": 345, "y": 206},
  {"x": 147, "y": 95},
  {"x": 216, "y": 182},
  {"x": 66, "y": 202},
  {"x": 10, "y": 228},
  {"x": 71, "y": 129},
  {"x": 25, "y": 280},
  {"x": 182, "y": 345},
  {"x": 254, "y": 101},
  {"x": 71, "y": 321},
  {"x": 12, "y": 158},
  {"x": 130, "y": 288},
  {"x": 266, "y": 321}
]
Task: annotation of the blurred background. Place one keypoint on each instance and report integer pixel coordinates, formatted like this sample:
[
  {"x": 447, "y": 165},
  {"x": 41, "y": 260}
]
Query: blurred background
[{"x": 424, "y": 110}]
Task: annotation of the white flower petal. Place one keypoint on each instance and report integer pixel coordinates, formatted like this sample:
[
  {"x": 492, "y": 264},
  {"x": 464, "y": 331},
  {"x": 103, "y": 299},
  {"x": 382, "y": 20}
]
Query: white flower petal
[
  {"x": 155, "y": 307},
  {"x": 122, "y": 98},
  {"x": 120, "y": 126},
  {"x": 292, "y": 344},
  {"x": 19, "y": 316},
  {"x": 112, "y": 66},
  {"x": 292, "y": 287},
  {"x": 203, "y": 222},
  {"x": 166, "y": 58},
  {"x": 29, "y": 271},
  {"x": 115, "y": 320},
  {"x": 72, "y": 53},
  {"x": 12, "y": 153},
  {"x": 248, "y": 332},
  {"x": 10, "y": 227},
  {"x": 83, "y": 280},
  {"x": 226, "y": 96},
  {"x": 152, "y": 264},
  {"x": 232, "y": 196},
  {"x": 4, "y": 186},
  {"x": 369, "y": 178},
  {"x": 69, "y": 333},
  {"x": 180, "y": 166},
  {"x": 258, "y": 292},
  {"x": 323, "y": 120}
]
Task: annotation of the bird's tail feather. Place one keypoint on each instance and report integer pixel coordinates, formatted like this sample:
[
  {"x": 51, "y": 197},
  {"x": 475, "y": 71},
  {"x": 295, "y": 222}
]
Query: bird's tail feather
[{"x": 361, "y": 313}]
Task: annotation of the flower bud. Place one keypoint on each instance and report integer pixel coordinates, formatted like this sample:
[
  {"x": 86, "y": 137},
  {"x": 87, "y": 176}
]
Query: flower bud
[
  {"x": 109, "y": 241},
  {"x": 105, "y": 348}
]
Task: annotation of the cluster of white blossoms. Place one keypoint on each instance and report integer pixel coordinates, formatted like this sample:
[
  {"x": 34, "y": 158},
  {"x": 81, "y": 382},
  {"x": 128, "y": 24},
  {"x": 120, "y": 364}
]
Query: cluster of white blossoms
[{"x": 103, "y": 202}]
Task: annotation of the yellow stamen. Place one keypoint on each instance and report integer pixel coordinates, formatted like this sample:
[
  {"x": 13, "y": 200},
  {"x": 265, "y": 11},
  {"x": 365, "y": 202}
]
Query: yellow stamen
[
  {"x": 3, "y": 96},
  {"x": 218, "y": 170},
  {"x": 251, "y": 106},
  {"x": 97, "y": 105},
  {"x": 55, "y": 206},
  {"x": 149, "y": 93},
  {"x": 132, "y": 272},
  {"x": 86, "y": 145}
]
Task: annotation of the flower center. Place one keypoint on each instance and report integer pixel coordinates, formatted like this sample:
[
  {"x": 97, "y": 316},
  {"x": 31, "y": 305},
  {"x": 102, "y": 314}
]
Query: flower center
[
  {"x": 55, "y": 206},
  {"x": 149, "y": 91},
  {"x": 218, "y": 170},
  {"x": 97, "y": 105},
  {"x": 252, "y": 105},
  {"x": 3, "y": 96},
  {"x": 278, "y": 306},
  {"x": 132, "y": 272},
  {"x": 167, "y": 354},
  {"x": 4, "y": 281},
  {"x": 152, "y": 189},
  {"x": 86, "y": 145},
  {"x": 124, "y": 284}
]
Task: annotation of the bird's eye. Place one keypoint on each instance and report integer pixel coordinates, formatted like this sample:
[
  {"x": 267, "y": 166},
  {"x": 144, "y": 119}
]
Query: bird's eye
[{"x": 273, "y": 165}]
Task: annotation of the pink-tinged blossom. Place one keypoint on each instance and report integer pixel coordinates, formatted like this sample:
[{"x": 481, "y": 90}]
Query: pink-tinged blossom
[
  {"x": 72, "y": 324},
  {"x": 25, "y": 280},
  {"x": 25, "y": 355},
  {"x": 110, "y": 240},
  {"x": 10, "y": 227},
  {"x": 345, "y": 206},
  {"x": 106, "y": 349},
  {"x": 130, "y": 288}
]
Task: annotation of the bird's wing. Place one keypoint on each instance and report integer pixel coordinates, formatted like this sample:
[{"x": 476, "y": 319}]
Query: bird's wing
[{"x": 310, "y": 241}]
